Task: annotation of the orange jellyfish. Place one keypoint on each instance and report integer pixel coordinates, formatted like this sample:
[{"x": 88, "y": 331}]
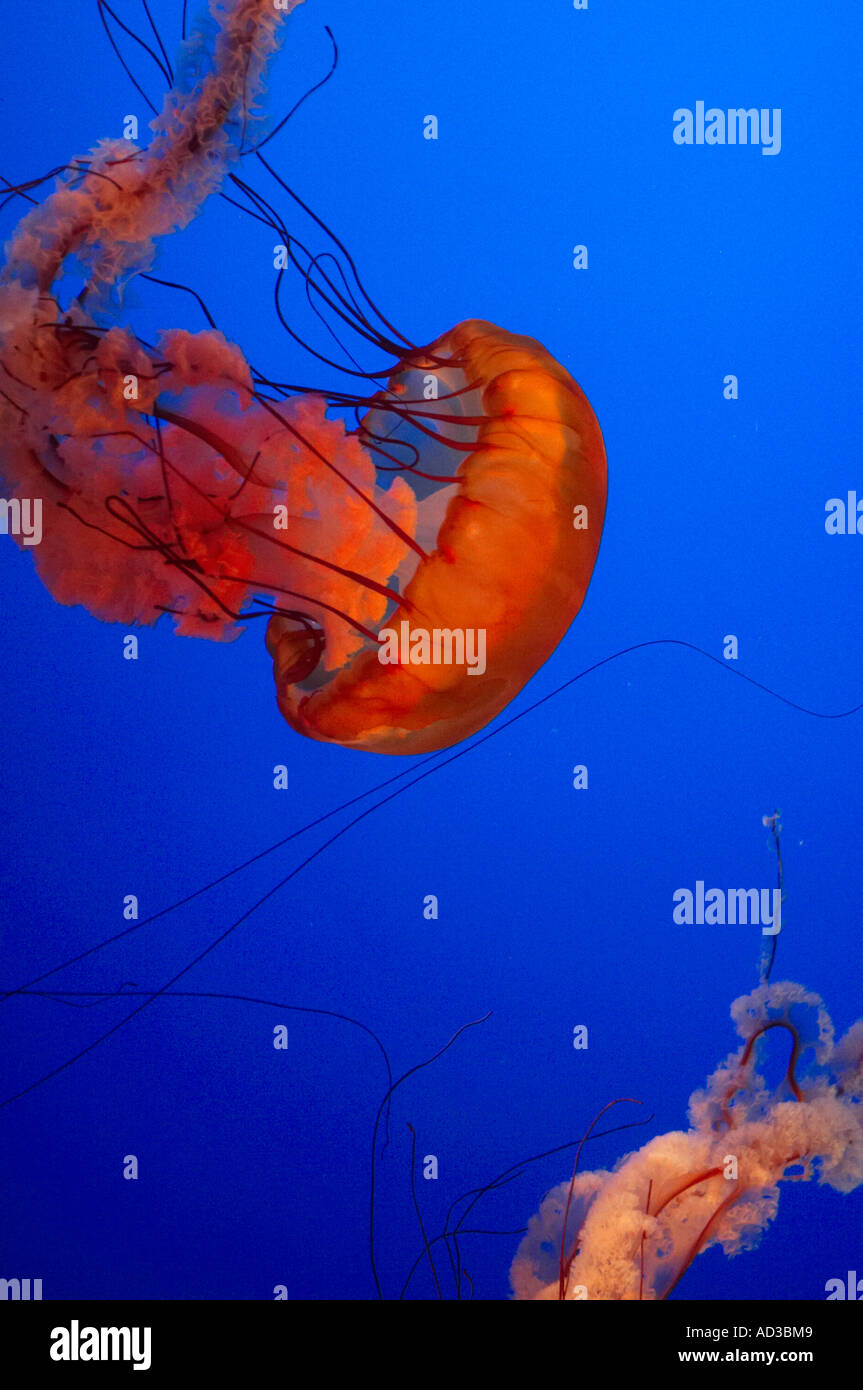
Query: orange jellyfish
[
  {"x": 632, "y": 1233},
  {"x": 414, "y": 571}
]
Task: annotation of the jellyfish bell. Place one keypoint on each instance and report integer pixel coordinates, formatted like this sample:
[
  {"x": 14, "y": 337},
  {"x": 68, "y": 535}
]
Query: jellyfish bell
[
  {"x": 508, "y": 563},
  {"x": 414, "y": 571}
]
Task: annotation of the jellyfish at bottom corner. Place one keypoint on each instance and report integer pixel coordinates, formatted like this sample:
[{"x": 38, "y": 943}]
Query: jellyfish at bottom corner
[
  {"x": 414, "y": 571},
  {"x": 632, "y": 1233}
]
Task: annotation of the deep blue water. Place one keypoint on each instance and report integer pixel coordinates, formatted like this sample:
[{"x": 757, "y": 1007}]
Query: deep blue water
[{"x": 155, "y": 777}]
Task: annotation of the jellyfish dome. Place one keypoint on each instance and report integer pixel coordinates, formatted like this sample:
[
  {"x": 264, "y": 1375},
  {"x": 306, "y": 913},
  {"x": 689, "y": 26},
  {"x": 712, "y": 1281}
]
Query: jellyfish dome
[{"x": 508, "y": 542}]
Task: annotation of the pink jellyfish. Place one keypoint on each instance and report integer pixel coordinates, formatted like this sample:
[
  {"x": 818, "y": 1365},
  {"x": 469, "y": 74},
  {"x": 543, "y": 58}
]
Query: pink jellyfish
[{"x": 632, "y": 1233}]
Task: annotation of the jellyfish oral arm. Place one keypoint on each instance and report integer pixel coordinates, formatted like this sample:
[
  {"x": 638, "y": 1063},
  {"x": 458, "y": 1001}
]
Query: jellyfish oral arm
[{"x": 717, "y": 1182}]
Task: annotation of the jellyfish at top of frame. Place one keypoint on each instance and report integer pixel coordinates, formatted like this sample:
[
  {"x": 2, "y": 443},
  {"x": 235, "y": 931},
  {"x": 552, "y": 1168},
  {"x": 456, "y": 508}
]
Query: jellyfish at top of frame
[
  {"x": 414, "y": 571},
  {"x": 632, "y": 1233}
]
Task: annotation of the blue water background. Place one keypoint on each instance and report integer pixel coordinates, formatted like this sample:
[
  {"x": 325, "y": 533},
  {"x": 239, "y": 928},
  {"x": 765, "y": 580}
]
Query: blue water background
[{"x": 154, "y": 777}]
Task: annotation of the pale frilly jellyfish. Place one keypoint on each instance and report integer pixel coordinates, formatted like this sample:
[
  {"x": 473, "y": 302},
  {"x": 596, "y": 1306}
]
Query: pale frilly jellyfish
[{"x": 632, "y": 1233}]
